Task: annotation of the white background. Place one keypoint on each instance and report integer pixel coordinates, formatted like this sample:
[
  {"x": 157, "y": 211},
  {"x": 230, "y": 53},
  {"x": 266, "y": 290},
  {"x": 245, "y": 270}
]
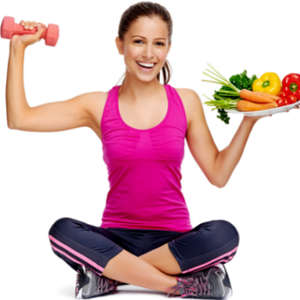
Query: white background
[{"x": 49, "y": 175}]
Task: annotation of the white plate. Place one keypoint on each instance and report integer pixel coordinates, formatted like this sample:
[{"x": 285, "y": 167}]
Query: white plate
[{"x": 266, "y": 112}]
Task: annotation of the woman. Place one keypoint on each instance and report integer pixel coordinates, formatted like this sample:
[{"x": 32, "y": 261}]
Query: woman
[{"x": 145, "y": 238}]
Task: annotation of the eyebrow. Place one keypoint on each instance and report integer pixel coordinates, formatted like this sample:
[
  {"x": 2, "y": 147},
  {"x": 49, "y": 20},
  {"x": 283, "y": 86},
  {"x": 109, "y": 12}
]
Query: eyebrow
[{"x": 159, "y": 38}]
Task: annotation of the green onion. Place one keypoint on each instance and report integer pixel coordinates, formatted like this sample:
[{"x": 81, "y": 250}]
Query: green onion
[
  {"x": 218, "y": 78},
  {"x": 221, "y": 103}
]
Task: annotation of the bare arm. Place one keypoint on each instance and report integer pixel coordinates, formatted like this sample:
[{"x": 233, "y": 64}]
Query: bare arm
[
  {"x": 216, "y": 165},
  {"x": 55, "y": 116},
  {"x": 15, "y": 95},
  {"x": 228, "y": 158}
]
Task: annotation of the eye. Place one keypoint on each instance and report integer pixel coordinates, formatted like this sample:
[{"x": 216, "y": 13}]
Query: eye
[{"x": 158, "y": 43}]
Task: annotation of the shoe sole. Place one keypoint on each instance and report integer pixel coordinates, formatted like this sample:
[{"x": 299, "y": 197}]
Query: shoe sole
[
  {"x": 80, "y": 296},
  {"x": 228, "y": 294}
]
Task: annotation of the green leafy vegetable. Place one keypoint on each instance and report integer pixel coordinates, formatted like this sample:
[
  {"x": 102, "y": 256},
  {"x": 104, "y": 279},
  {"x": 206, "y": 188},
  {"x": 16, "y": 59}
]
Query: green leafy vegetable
[
  {"x": 223, "y": 115},
  {"x": 242, "y": 81}
]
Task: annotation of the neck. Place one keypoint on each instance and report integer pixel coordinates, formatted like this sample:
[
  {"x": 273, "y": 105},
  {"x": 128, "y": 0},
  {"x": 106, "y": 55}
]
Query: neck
[{"x": 137, "y": 90}]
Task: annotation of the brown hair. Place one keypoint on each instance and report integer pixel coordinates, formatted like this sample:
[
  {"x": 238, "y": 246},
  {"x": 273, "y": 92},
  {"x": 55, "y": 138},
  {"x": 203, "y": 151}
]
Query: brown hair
[{"x": 147, "y": 9}]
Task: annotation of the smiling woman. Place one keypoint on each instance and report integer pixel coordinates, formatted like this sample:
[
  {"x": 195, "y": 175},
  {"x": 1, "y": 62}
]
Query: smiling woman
[
  {"x": 157, "y": 41},
  {"x": 143, "y": 125},
  {"x": 145, "y": 53}
]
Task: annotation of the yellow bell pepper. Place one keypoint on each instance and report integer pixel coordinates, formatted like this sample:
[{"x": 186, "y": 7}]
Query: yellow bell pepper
[{"x": 269, "y": 83}]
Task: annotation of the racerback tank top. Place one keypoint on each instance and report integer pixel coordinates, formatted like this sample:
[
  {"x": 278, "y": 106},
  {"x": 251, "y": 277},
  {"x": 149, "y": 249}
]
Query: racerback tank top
[{"x": 144, "y": 168}]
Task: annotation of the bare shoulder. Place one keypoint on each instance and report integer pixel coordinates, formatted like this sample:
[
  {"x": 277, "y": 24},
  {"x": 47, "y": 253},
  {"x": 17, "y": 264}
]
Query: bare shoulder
[
  {"x": 94, "y": 105},
  {"x": 191, "y": 102}
]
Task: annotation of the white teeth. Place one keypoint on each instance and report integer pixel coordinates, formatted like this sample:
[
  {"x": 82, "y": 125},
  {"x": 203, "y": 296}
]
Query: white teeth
[{"x": 146, "y": 65}]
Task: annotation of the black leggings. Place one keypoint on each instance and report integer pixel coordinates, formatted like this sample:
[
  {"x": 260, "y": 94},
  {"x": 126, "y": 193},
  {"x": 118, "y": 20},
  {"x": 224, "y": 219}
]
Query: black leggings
[{"x": 79, "y": 243}]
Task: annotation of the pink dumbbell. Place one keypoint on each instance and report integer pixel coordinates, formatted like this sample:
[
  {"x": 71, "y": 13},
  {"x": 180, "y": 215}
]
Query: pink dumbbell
[{"x": 9, "y": 28}]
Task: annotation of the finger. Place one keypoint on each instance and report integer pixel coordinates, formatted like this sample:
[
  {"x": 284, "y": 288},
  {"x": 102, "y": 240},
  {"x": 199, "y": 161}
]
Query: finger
[
  {"x": 31, "y": 25},
  {"x": 34, "y": 24},
  {"x": 39, "y": 31},
  {"x": 26, "y": 24}
]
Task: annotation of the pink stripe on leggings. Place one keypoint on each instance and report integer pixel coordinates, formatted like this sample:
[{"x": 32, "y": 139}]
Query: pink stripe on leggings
[
  {"x": 86, "y": 259},
  {"x": 71, "y": 258},
  {"x": 223, "y": 261},
  {"x": 211, "y": 261}
]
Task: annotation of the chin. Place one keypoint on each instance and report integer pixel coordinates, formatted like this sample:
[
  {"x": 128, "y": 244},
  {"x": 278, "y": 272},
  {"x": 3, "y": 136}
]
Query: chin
[
  {"x": 147, "y": 77},
  {"x": 148, "y": 80}
]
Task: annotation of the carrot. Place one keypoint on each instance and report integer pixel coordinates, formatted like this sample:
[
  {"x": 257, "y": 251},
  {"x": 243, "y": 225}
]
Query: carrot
[
  {"x": 274, "y": 97},
  {"x": 258, "y": 97},
  {"x": 244, "y": 105}
]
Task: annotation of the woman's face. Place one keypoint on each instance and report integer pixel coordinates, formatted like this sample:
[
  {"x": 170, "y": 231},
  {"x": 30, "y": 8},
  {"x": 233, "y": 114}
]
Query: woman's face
[{"x": 147, "y": 42}]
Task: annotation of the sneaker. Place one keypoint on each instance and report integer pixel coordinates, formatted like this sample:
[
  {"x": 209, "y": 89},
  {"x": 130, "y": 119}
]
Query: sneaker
[
  {"x": 89, "y": 284},
  {"x": 211, "y": 283}
]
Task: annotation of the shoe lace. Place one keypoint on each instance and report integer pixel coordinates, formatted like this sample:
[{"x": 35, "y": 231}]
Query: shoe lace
[
  {"x": 200, "y": 285},
  {"x": 193, "y": 285},
  {"x": 105, "y": 284}
]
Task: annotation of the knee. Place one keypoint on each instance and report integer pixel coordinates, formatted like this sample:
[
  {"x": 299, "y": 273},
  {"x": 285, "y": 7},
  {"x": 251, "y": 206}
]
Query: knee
[
  {"x": 222, "y": 230},
  {"x": 59, "y": 226},
  {"x": 228, "y": 230}
]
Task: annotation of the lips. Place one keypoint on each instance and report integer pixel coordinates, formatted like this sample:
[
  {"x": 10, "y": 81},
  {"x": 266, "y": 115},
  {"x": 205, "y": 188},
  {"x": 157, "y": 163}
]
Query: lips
[{"x": 147, "y": 66}]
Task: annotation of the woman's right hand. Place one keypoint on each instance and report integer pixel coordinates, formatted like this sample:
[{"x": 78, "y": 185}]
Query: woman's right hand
[{"x": 28, "y": 39}]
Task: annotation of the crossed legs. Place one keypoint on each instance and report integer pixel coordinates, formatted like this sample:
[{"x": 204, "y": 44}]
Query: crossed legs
[
  {"x": 208, "y": 244},
  {"x": 152, "y": 270}
]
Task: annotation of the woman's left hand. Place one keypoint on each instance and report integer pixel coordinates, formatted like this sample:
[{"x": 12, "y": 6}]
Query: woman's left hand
[{"x": 254, "y": 119}]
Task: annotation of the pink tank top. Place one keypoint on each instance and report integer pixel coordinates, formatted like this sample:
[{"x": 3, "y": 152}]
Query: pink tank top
[{"x": 144, "y": 168}]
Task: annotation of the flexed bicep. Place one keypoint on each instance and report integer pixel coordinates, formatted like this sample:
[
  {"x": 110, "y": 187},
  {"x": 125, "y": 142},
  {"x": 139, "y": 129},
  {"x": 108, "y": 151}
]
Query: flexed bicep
[{"x": 59, "y": 115}]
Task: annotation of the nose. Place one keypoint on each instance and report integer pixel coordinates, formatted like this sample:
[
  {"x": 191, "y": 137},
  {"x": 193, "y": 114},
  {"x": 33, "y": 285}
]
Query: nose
[{"x": 148, "y": 52}]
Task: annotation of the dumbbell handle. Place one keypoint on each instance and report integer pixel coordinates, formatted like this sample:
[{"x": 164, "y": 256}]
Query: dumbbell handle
[{"x": 20, "y": 30}]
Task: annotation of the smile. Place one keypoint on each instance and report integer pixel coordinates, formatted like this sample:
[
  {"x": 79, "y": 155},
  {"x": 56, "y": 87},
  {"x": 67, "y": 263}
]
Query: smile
[{"x": 146, "y": 66}]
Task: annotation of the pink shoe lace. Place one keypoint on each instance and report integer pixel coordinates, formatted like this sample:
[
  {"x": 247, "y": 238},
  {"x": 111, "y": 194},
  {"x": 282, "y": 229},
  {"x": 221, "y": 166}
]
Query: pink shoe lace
[
  {"x": 106, "y": 285},
  {"x": 191, "y": 286}
]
